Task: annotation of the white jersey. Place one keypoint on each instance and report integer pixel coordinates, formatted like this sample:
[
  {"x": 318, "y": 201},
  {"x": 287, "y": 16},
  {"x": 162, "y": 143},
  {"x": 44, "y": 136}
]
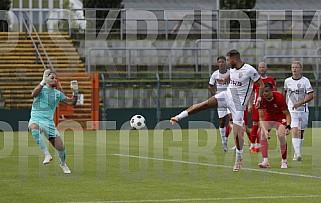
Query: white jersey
[
  {"x": 296, "y": 90},
  {"x": 217, "y": 75},
  {"x": 241, "y": 84}
]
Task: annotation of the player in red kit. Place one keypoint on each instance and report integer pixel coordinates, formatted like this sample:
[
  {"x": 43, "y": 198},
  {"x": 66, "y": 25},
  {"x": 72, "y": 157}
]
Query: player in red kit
[
  {"x": 254, "y": 135},
  {"x": 273, "y": 112}
]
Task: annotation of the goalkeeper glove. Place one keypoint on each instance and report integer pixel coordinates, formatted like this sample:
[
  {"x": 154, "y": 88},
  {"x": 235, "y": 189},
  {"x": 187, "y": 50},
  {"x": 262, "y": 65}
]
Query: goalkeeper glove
[
  {"x": 74, "y": 87},
  {"x": 45, "y": 76}
]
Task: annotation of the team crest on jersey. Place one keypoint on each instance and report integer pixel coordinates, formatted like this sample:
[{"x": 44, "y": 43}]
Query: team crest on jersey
[
  {"x": 299, "y": 85},
  {"x": 240, "y": 75},
  {"x": 283, "y": 120},
  {"x": 275, "y": 106}
]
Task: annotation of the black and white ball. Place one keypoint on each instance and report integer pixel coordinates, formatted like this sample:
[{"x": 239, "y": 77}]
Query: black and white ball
[{"x": 137, "y": 122}]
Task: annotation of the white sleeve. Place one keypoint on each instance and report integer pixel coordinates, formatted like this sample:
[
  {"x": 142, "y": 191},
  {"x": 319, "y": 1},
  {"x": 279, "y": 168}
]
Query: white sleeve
[
  {"x": 212, "y": 79},
  {"x": 254, "y": 74},
  {"x": 308, "y": 87}
]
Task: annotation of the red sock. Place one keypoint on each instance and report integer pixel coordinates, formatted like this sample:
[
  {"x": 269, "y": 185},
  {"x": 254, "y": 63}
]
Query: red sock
[
  {"x": 258, "y": 135},
  {"x": 254, "y": 133},
  {"x": 264, "y": 148},
  {"x": 284, "y": 150},
  {"x": 228, "y": 130}
]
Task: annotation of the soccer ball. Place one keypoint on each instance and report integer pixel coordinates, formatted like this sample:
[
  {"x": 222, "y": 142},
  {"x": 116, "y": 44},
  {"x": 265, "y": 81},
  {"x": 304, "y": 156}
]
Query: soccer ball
[{"x": 137, "y": 122}]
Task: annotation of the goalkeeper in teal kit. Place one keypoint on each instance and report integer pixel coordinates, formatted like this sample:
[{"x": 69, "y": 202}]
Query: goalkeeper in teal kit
[{"x": 45, "y": 100}]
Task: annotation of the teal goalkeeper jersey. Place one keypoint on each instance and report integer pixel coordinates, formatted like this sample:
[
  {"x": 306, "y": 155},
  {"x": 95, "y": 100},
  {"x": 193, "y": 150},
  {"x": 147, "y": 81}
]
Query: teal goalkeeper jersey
[{"x": 45, "y": 104}]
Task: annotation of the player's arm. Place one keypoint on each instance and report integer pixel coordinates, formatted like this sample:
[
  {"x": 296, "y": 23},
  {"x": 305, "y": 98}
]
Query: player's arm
[
  {"x": 71, "y": 101},
  {"x": 261, "y": 89},
  {"x": 39, "y": 87},
  {"x": 74, "y": 88},
  {"x": 308, "y": 98},
  {"x": 212, "y": 89},
  {"x": 288, "y": 121},
  {"x": 36, "y": 91}
]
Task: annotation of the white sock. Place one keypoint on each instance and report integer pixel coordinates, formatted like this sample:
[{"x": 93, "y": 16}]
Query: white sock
[
  {"x": 284, "y": 161},
  {"x": 302, "y": 140},
  {"x": 239, "y": 154},
  {"x": 222, "y": 133},
  {"x": 266, "y": 160},
  {"x": 296, "y": 145},
  {"x": 253, "y": 145},
  {"x": 182, "y": 115}
]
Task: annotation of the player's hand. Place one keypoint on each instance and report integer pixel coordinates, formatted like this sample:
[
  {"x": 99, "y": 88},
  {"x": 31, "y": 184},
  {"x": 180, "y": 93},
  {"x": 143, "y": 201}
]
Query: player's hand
[
  {"x": 287, "y": 129},
  {"x": 44, "y": 77},
  {"x": 74, "y": 87},
  {"x": 257, "y": 104},
  {"x": 295, "y": 106},
  {"x": 174, "y": 120}
]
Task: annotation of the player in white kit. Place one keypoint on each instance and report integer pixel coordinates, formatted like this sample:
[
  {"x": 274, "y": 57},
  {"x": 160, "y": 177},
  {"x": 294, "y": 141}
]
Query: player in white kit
[
  {"x": 215, "y": 87},
  {"x": 235, "y": 98},
  {"x": 299, "y": 92}
]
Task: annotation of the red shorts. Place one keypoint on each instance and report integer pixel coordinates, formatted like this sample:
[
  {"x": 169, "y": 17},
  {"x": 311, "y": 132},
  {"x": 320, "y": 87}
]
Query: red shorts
[
  {"x": 275, "y": 120},
  {"x": 255, "y": 114}
]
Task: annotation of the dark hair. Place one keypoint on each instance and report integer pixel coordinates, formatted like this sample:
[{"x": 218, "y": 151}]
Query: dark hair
[
  {"x": 233, "y": 53},
  {"x": 269, "y": 85},
  {"x": 221, "y": 57}
]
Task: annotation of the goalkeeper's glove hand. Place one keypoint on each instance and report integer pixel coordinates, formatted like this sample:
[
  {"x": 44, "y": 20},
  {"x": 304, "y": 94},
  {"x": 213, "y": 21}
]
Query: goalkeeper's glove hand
[
  {"x": 43, "y": 81},
  {"x": 45, "y": 77},
  {"x": 74, "y": 87}
]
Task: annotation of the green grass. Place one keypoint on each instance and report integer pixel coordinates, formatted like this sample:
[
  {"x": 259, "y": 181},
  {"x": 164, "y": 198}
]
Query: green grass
[{"x": 163, "y": 166}]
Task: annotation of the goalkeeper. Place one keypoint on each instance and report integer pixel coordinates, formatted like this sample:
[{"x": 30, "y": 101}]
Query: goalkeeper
[{"x": 45, "y": 100}]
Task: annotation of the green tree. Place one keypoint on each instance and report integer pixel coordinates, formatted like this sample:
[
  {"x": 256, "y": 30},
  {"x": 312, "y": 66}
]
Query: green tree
[
  {"x": 237, "y": 4},
  {"x": 102, "y": 14},
  {"x": 240, "y": 4},
  {"x": 4, "y": 5}
]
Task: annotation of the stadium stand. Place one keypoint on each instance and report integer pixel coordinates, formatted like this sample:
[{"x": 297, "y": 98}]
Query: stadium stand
[{"x": 21, "y": 70}]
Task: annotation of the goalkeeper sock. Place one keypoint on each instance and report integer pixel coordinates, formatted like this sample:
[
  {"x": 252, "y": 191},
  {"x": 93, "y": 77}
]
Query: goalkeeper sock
[
  {"x": 40, "y": 141},
  {"x": 62, "y": 156}
]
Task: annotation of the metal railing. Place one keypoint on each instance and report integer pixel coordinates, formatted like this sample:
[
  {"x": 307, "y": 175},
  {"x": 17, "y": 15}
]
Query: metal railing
[
  {"x": 170, "y": 60},
  {"x": 38, "y": 54},
  {"x": 266, "y": 20},
  {"x": 33, "y": 29}
]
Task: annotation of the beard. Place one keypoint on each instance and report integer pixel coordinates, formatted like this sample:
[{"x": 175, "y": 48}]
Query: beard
[{"x": 53, "y": 85}]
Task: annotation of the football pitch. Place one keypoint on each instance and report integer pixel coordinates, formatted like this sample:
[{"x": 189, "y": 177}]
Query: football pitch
[{"x": 155, "y": 166}]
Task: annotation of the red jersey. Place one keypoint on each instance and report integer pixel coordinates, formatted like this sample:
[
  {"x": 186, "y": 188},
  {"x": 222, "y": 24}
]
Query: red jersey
[
  {"x": 276, "y": 106},
  {"x": 265, "y": 80}
]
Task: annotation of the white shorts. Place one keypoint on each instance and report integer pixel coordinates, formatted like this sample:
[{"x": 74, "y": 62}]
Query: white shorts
[
  {"x": 225, "y": 100},
  {"x": 299, "y": 120},
  {"x": 222, "y": 112}
]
